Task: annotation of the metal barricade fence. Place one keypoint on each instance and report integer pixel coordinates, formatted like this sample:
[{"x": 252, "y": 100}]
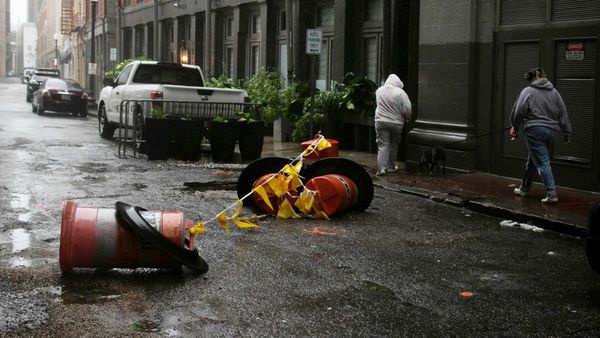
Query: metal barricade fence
[{"x": 133, "y": 114}]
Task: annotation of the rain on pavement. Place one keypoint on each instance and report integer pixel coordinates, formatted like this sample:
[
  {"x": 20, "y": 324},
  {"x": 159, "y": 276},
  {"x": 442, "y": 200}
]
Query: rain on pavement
[{"x": 407, "y": 266}]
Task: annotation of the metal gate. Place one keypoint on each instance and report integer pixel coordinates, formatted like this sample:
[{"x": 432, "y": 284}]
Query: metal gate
[{"x": 133, "y": 115}]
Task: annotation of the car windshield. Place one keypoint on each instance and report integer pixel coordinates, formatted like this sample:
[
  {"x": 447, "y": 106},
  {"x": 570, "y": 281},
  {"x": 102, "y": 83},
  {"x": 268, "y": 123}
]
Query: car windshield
[
  {"x": 168, "y": 74},
  {"x": 62, "y": 84},
  {"x": 46, "y": 73},
  {"x": 38, "y": 78}
]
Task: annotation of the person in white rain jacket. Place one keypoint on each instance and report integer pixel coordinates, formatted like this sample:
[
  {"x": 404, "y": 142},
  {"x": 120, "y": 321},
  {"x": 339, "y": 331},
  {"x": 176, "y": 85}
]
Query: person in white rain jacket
[{"x": 393, "y": 110}]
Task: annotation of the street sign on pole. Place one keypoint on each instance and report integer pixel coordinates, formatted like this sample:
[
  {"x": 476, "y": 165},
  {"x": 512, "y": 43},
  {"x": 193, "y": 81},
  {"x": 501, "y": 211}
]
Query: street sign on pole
[
  {"x": 92, "y": 68},
  {"x": 313, "y": 41}
]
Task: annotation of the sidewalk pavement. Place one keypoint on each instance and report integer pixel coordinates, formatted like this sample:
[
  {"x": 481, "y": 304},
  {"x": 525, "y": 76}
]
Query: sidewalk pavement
[{"x": 479, "y": 192}]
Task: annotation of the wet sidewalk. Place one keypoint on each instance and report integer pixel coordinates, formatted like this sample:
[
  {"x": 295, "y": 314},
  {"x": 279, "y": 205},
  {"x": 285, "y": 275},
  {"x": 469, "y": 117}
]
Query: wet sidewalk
[{"x": 480, "y": 192}]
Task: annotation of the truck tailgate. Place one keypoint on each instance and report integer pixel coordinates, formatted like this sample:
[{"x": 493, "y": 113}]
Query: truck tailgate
[{"x": 199, "y": 94}]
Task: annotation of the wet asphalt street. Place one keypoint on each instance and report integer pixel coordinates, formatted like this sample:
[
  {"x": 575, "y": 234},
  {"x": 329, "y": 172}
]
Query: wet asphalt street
[{"x": 406, "y": 267}]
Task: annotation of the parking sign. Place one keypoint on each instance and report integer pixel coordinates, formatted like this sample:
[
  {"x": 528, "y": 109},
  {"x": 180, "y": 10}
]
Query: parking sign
[{"x": 313, "y": 41}]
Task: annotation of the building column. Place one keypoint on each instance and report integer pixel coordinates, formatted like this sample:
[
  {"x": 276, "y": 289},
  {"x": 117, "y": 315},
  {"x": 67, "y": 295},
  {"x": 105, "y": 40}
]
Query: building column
[
  {"x": 144, "y": 42},
  {"x": 447, "y": 78},
  {"x": 191, "y": 44},
  {"x": 236, "y": 43},
  {"x": 338, "y": 68},
  {"x": 265, "y": 39}
]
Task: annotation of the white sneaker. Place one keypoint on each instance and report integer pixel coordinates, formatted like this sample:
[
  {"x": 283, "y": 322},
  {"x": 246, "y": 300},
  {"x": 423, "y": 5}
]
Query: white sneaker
[
  {"x": 520, "y": 192},
  {"x": 549, "y": 200},
  {"x": 393, "y": 170},
  {"x": 381, "y": 172}
]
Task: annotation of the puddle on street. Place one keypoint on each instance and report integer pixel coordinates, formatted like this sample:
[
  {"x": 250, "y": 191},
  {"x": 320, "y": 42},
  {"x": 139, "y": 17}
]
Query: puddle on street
[
  {"x": 20, "y": 262},
  {"x": 20, "y": 201},
  {"x": 24, "y": 217},
  {"x": 209, "y": 186},
  {"x": 146, "y": 326},
  {"x": 87, "y": 294},
  {"x": 92, "y": 168},
  {"x": 21, "y": 240},
  {"x": 139, "y": 186}
]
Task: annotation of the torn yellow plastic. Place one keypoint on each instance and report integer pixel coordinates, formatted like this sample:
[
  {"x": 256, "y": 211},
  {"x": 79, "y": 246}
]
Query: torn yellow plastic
[
  {"x": 320, "y": 214},
  {"x": 305, "y": 201},
  {"x": 244, "y": 222},
  {"x": 198, "y": 228},
  {"x": 323, "y": 144},
  {"x": 222, "y": 219},
  {"x": 286, "y": 210},
  {"x": 278, "y": 185},
  {"x": 263, "y": 194}
]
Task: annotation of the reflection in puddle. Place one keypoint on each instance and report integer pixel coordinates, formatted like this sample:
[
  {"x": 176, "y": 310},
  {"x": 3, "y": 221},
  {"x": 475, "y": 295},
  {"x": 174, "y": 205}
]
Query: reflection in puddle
[
  {"x": 87, "y": 294},
  {"x": 21, "y": 240},
  {"x": 16, "y": 262},
  {"x": 20, "y": 201},
  {"x": 24, "y": 217},
  {"x": 146, "y": 326}
]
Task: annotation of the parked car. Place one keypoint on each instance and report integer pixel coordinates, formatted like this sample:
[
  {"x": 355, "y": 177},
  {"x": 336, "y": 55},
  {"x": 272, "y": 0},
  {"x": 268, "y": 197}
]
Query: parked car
[
  {"x": 61, "y": 96},
  {"x": 27, "y": 72},
  {"x": 39, "y": 75},
  {"x": 152, "y": 80}
]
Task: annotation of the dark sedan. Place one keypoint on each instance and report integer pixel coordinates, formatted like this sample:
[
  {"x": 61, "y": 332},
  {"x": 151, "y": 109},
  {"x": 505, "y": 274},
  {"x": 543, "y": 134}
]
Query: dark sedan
[
  {"x": 60, "y": 96},
  {"x": 36, "y": 80}
]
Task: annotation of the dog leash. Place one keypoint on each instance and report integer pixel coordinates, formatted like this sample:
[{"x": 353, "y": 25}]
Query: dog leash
[{"x": 482, "y": 135}]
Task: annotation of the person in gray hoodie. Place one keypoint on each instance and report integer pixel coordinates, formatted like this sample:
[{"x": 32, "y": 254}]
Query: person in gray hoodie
[
  {"x": 542, "y": 113},
  {"x": 393, "y": 110}
]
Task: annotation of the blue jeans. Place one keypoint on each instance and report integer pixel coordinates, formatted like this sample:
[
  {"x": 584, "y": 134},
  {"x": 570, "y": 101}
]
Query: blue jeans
[{"x": 539, "y": 140}]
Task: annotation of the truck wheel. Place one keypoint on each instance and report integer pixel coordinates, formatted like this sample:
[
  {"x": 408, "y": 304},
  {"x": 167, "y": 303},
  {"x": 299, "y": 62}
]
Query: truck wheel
[{"x": 105, "y": 129}]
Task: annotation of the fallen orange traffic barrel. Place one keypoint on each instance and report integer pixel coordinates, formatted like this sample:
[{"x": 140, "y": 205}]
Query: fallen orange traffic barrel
[
  {"x": 125, "y": 237},
  {"x": 274, "y": 200},
  {"x": 336, "y": 193},
  {"x": 332, "y": 151}
]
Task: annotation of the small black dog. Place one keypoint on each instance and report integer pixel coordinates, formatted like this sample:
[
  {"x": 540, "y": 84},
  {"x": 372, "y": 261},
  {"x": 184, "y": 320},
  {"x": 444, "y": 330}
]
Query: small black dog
[{"x": 432, "y": 158}]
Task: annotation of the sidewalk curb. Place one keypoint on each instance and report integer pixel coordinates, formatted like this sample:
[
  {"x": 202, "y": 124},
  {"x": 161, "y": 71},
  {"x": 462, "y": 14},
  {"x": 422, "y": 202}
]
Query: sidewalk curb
[{"x": 491, "y": 209}]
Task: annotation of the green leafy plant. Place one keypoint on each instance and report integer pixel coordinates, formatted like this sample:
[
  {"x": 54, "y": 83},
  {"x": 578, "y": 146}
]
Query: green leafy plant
[
  {"x": 219, "y": 119},
  {"x": 264, "y": 88},
  {"x": 116, "y": 70},
  {"x": 245, "y": 117},
  {"x": 157, "y": 111},
  {"x": 359, "y": 94},
  {"x": 223, "y": 82},
  {"x": 325, "y": 107}
]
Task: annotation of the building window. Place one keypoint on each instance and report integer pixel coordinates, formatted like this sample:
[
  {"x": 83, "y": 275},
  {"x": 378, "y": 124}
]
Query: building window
[
  {"x": 324, "y": 64},
  {"x": 228, "y": 62},
  {"x": 325, "y": 16},
  {"x": 371, "y": 57},
  {"x": 229, "y": 26},
  {"x": 374, "y": 10},
  {"x": 254, "y": 59},
  {"x": 282, "y": 21},
  {"x": 255, "y": 29}
]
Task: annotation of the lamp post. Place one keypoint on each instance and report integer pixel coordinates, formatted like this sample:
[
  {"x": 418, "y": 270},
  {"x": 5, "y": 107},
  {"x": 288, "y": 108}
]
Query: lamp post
[
  {"x": 55, "y": 50},
  {"x": 92, "y": 65}
]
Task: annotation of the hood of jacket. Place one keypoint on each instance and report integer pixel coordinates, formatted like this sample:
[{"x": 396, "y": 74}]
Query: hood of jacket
[
  {"x": 542, "y": 84},
  {"x": 394, "y": 80}
]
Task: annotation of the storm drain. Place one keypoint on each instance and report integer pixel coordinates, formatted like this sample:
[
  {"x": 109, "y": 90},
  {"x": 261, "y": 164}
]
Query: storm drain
[{"x": 210, "y": 186}]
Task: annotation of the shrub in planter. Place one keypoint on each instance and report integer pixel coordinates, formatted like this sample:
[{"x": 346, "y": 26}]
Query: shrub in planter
[{"x": 223, "y": 136}]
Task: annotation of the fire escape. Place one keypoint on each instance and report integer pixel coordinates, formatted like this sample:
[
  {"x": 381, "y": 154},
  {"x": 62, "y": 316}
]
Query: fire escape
[{"x": 66, "y": 19}]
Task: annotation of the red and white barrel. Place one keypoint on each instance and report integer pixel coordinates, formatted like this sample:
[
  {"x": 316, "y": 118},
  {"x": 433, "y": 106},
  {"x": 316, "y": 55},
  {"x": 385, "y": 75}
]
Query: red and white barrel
[
  {"x": 93, "y": 238},
  {"x": 336, "y": 193}
]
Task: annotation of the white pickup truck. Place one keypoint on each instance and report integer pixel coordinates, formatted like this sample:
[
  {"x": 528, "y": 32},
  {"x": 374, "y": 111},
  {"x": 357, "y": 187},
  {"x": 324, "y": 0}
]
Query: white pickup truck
[{"x": 141, "y": 81}]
